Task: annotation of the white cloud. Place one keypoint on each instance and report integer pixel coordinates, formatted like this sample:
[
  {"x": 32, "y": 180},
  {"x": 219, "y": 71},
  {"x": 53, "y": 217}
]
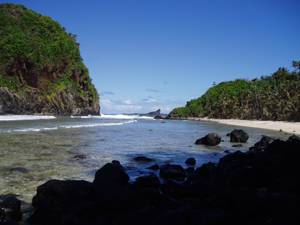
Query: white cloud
[
  {"x": 107, "y": 93},
  {"x": 108, "y": 106},
  {"x": 151, "y": 100},
  {"x": 144, "y": 106}
]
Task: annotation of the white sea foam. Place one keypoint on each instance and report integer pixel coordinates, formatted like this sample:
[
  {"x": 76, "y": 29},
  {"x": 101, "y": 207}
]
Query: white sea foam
[
  {"x": 25, "y": 117},
  {"x": 122, "y": 116},
  {"x": 84, "y": 117},
  {"x": 98, "y": 124},
  {"x": 34, "y": 129}
]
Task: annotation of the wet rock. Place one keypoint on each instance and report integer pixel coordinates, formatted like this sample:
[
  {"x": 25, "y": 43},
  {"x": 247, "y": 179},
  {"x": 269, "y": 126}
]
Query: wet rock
[
  {"x": 142, "y": 159},
  {"x": 190, "y": 169},
  {"x": 261, "y": 145},
  {"x": 89, "y": 211},
  {"x": 152, "y": 195},
  {"x": 191, "y": 161},
  {"x": 46, "y": 215},
  {"x": 205, "y": 170},
  {"x": 172, "y": 185},
  {"x": 243, "y": 188},
  {"x": 5, "y": 221},
  {"x": 154, "y": 167},
  {"x": 210, "y": 139},
  {"x": 167, "y": 204},
  {"x": 10, "y": 208},
  {"x": 131, "y": 202},
  {"x": 237, "y": 146},
  {"x": 172, "y": 172},
  {"x": 110, "y": 183},
  {"x": 234, "y": 159},
  {"x": 59, "y": 194},
  {"x": 150, "y": 180},
  {"x": 134, "y": 219},
  {"x": 294, "y": 140},
  {"x": 214, "y": 216},
  {"x": 238, "y": 136},
  {"x": 19, "y": 169},
  {"x": 77, "y": 157}
]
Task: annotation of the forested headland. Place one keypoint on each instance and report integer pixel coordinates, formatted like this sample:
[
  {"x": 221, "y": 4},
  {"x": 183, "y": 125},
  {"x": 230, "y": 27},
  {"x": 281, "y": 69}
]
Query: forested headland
[
  {"x": 41, "y": 69},
  {"x": 275, "y": 97}
]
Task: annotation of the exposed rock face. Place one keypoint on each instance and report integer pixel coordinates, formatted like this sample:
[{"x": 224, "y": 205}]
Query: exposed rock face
[
  {"x": 35, "y": 95},
  {"x": 34, "y": 101}
]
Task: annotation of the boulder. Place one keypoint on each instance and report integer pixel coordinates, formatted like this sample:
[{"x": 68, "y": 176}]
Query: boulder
[
  {"x": 261, "y": 145},
  {"x": 59, "y": 193},
  {"x": 110, "y": 183},
  {"x": 237, "y": 146},
  {"x": 10, "y": 208},
  {"x": 142, "y": 159},
  {"x": 150, "y": 180},
  {"x": 77, "y": 157},
  {"x": 153, "y": 167},
  {"x": 238, "y": 136},
  {"x": 175, "y": 172},
  {"x": 191, "y": 161},
  {"x": 210, "y": 139},
  {"x": 172, "y": 185}
]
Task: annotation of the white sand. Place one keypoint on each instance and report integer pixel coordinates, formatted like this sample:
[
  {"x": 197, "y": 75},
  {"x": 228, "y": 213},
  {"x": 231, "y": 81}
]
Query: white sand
[{"x": 288, "y": 127}]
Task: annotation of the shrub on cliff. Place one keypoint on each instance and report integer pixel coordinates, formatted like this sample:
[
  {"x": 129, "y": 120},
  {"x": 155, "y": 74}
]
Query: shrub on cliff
[{"x": 36, "y": 43}]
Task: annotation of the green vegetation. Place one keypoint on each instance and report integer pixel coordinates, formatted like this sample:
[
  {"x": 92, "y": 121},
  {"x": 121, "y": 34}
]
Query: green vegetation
[
  {"x": 26, "y": 34},
  {"x": 11, "y": 83},
  {"x": 275, "y": 97}
]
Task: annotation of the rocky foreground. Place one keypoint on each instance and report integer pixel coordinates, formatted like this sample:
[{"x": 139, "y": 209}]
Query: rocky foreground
[{"x": 261, "y": 186}]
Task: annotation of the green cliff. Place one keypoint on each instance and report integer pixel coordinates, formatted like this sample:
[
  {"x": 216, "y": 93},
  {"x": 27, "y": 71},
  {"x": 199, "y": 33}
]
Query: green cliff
[
  {"x": 275, "y": 97},
  {"x": 41, "y": 70}
]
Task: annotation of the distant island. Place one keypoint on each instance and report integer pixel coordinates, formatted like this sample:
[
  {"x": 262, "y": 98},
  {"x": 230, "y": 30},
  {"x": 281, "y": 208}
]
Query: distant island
[
  {"x": 41, "y": 70},
  {"x": 275, "y": 97},
  {"x": 156, "y": 114}
]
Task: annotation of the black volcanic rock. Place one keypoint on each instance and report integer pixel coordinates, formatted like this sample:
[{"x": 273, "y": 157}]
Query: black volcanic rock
[
  {"x": 110, "y": 183},
  {"x": 150, "y": 180},
  {"x": 10, "y": 208},
  {"x": 243, "y": 188},
  {"x": 191, "y": 161},
  {"x": 238, "y": 136},
  {"x": 175, "y": 172},
  {"x": 210, "y": 139},
  {"x": 142, "y": 159}
]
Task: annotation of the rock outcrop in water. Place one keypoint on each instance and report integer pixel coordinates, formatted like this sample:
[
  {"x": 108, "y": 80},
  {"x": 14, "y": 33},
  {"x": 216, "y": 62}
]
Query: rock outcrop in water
[
  {"x": 210, "y": 139},
  {"x": 41, "y": 70},
  {"x": 260, "y": 186}
]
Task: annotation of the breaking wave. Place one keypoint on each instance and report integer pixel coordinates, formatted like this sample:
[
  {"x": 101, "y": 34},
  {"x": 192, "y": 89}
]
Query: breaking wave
[{"x": 25, "y": 117}]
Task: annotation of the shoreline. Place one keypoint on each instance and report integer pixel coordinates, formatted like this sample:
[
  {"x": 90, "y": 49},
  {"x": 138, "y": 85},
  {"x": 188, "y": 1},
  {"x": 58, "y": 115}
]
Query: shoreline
[{"x": 288, "y": 127}]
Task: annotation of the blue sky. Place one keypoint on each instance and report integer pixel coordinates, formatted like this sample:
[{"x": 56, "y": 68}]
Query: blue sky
[{"x": 148, "y": 54}]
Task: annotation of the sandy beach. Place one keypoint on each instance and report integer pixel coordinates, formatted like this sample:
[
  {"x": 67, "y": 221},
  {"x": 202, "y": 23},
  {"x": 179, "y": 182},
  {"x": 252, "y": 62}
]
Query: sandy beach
[{"x": 288, "y": 127}]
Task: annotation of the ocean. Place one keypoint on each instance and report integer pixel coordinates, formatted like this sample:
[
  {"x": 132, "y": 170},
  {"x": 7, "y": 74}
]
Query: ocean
[{"x": 34, "y": 149}]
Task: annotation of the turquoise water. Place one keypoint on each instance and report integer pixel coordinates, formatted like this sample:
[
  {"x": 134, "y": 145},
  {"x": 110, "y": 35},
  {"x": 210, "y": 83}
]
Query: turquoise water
[{"x": 34, "y": 149}]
